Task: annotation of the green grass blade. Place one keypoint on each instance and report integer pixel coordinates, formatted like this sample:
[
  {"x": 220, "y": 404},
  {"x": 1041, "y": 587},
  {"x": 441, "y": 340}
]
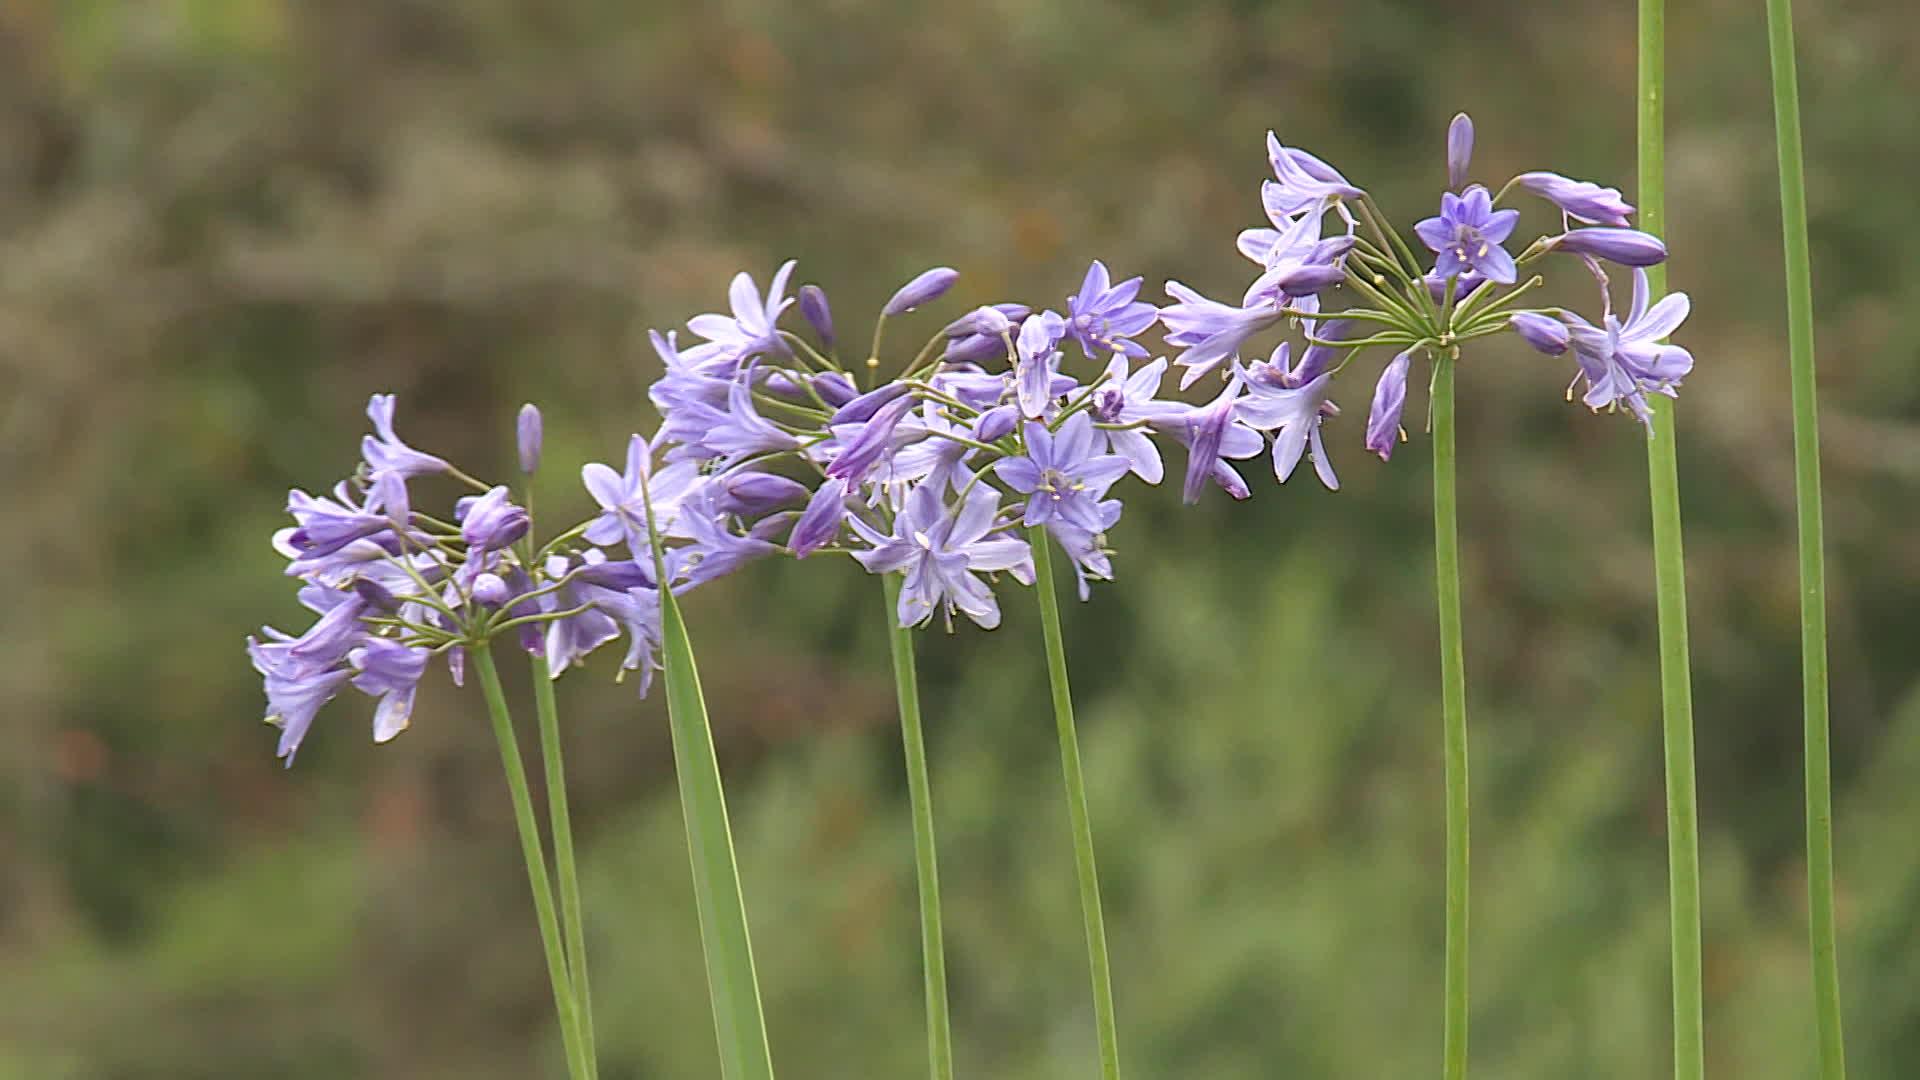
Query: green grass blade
[
  {"x": 1813, "y": 574},
  {"x": 1670, "y": 590},
  {"x": 737, "y": 1015}
]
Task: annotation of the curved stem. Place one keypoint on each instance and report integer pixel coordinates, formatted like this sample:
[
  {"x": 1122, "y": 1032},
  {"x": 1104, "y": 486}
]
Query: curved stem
[
  {"x": 1670, "y": 587},
  {"x": 523, "y": 818},
  {"x": 926, "y": 866},
  {"x": 1453, "y": 702},
  {"x": 572, "y": 923},
  {"x": 1105, "y": 1023},
  {"x": 1813, "y": 578}
]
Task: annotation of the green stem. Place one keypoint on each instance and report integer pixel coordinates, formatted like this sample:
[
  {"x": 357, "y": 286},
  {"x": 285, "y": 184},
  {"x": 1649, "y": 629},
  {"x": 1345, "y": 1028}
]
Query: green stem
[
  {"x": 926, "y": 866},
  {"x": 1453, "y": 702},
  {"x": 1813, "y": 583},
  {"x": 1105, "y": 1022},
  {"x": 1670, "y": 589},
  {"x": 516, "y": 771},
  {"x": 560, "y": 821}
]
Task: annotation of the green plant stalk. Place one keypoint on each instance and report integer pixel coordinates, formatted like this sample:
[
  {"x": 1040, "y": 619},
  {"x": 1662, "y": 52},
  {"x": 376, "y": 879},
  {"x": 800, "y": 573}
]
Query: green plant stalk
[
  {"x": 739, "y": 1022},
  {"x": 572, "y": 923},
  {"x": 1813, "y": 575},
  {"x": 906, "y": 683},
  {"x": 1670, "y": 589},
  {"x": 1453, "y": 710},
  {"x": 1105, "y": 1022},
  {"x": 516, "y": 770}
]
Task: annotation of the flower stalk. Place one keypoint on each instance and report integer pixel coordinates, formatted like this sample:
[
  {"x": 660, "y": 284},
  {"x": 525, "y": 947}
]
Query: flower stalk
[
  {"x": 578, "y": 1065},
  {"x": 1670, "y": 588},
  {"x": 926, "y": 865},
  {"x": 1105, "y": 1023},
  {"x": 572, "y": 922},
  {"x": 1453, "y": 712},
  {"x": 1822, "y": 930}
]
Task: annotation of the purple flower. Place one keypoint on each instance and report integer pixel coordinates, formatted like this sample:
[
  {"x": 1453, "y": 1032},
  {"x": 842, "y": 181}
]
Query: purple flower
[
  {"x": 527, "y": 429},
  {"x": 1129, "y": 399},
  {"x": 1543, "y": 332},
  {"x": 1037, "y": 357},
  {"x": 1301, "y": 181},
  {"x": 296, "y": 690},
  {"x": 941, "y": 550},
  {"x": 864, "y": 444},
  {"x": 323, "y": 526},
  {"x": 1209, "y": 331},
  {"x": 1459, "y": 149},
  {"x": 751, "y": 492},
  {"x": 929, "y": 286},
  {"x": 814, "y": 309},
  {"x": 1061, "y": 475},
  {"x": 337, "y": 631},
  {"x": 1091, "y": 561},
  {"x": 820, "y": 522},
  {"x": 621, "y": 598},
  {"x": 1579, "y": 199},
  {"x": 981, "y": 334},
  {"x": 491, "y": 522},
  {"x": 717, "y": 550},
  {"x": 1468, "y": 234},
  {"x": 1389, "y": 399},
  {"x": 384, "y": 451},
  {"x": 1204, "y": 431},
  {"x": 1276, "y": 402},
  {"x": 1623, "y": 361},
  {"x": 489, "y": 589},
  {"x": 1628, "y": 247},
  {"x": 862, "y": 408},
  {"x": 623, "y": 498},
  {"x": 391, "y": 672},
  {"x": 1104, "y": 317},
  {"x": 752, "y": 330}
]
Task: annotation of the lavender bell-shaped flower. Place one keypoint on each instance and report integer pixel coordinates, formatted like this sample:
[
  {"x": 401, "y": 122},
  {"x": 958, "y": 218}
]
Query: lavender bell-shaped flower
[
  {"x": 1579, "y": 199},
  {"x": 1209, "y": 331},
  {"x": 1034, "y": 368},
  {"x": 1628, "y": 247},
  {"x": 527, "y": 431},
  {"x": 1389, "y": 400},
  {"x": 1543, "y": 332},
  {"x": 814, "y": 309},
  {"x": 384, "y": 451},
  {"x": 1623, "y": 361},
  {"x": 929, "y": 286},
  {"x": 391, "y": 672},
  {"x": 864, "y": 444},
  {"x": 1459, "y": 149},
  {"x": 752, "y": 328},
  {"x": 820, "y": 522}
]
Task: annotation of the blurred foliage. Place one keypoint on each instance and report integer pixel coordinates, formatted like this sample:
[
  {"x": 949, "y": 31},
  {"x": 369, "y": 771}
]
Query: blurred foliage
[{"x": 224, "y": 222}]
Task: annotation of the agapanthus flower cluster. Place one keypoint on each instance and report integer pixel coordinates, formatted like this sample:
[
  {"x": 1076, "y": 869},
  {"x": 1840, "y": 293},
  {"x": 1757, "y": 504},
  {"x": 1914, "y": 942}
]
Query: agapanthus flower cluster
[
  {"x": 1326, "y": 237},
  {"x": 1014, "y": 422},
  {"x": 394, "y": 587}
]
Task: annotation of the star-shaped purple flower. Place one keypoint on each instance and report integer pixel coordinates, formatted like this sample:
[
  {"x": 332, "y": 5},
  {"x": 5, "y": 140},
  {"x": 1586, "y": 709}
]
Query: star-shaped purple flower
[
  {"x": 1104, "y": 317},
  {"x": 1062, "y": 477},
  {"x": 1467, "y": 236},
  {"x": 941, "y": 550},
  {"x": 1624, "y": 361}
]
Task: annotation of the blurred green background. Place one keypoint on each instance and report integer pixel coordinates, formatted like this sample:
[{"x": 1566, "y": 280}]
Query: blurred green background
[{"x": 223, "y": 223}]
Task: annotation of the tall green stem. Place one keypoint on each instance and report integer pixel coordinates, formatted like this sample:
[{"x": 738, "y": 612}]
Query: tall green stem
[
  {"x": 563, "y": 1003},
  {"x": 1453, "y": 710},
  {"x": 561, "y": 822},
  {"x": 1670, "y": 588},
  {"x": 926, "y": 866},
  {"x": 1813, "y": 576},
  {"x": 1105, "y": 1023}
]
